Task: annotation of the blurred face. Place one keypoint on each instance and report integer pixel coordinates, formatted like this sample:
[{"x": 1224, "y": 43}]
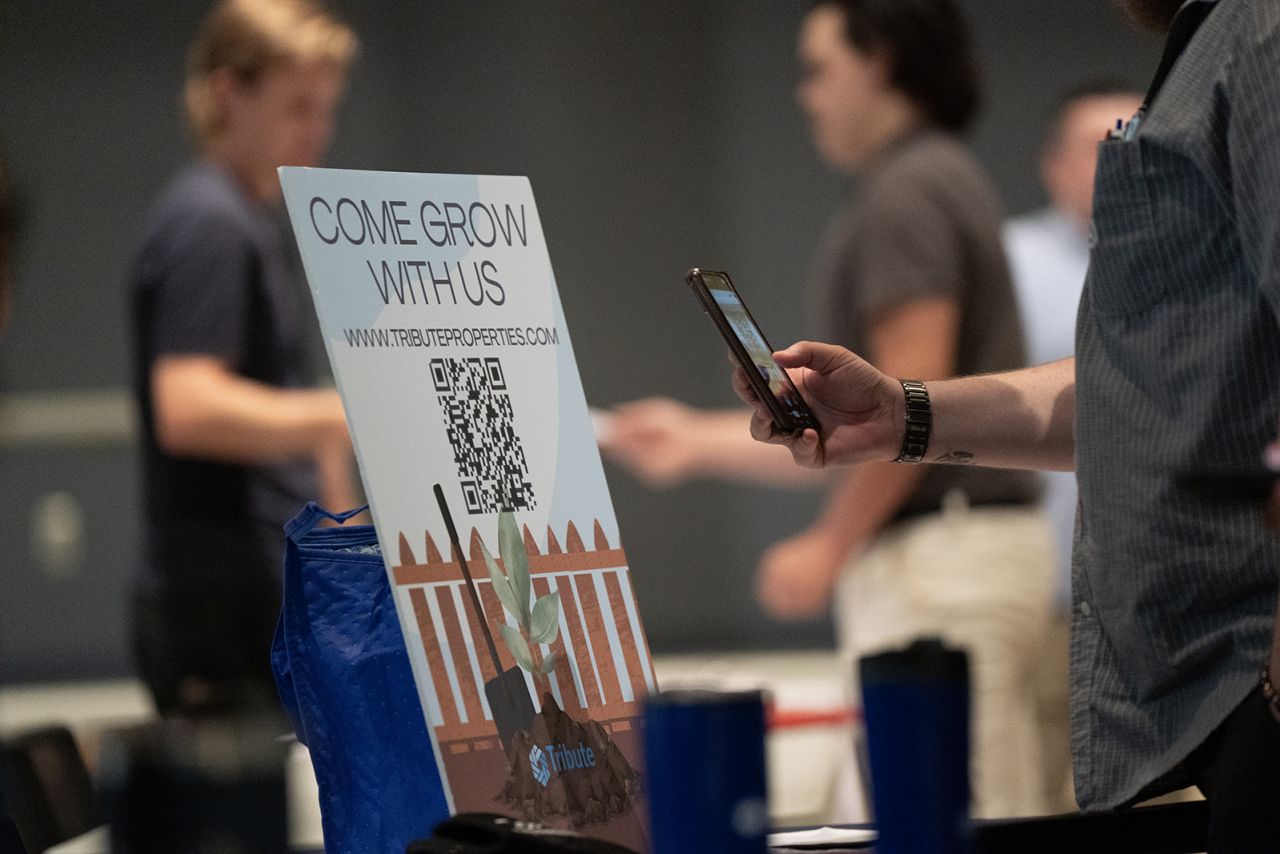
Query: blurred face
[
  {"x": 1069, "y": 163},
  {"x": 840, "y": 89},
  {"x": 1153, "y": 14},
  {"x": 284, "y": 118}
]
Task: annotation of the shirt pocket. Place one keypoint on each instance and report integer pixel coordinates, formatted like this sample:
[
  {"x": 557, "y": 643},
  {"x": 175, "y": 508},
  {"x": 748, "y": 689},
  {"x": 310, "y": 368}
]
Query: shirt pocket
[{"x": 1125, "y": 251}]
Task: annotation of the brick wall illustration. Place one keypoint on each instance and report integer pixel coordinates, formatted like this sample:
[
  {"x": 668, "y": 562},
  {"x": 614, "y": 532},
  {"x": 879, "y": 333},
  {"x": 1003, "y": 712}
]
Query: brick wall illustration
[{"x": 604, "y": 667}]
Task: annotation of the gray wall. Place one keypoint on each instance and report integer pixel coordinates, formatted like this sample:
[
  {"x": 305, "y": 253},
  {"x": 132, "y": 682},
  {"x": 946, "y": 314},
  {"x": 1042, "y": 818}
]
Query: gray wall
[{"x": 657, "y": 135}]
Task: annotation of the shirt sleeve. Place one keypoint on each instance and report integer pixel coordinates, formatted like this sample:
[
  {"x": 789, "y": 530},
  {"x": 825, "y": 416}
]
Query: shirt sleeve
[
  {"x": 203, "y": 294},
  {"x": 908, "y": 247},
  {"x": 1253, "y": 140}
]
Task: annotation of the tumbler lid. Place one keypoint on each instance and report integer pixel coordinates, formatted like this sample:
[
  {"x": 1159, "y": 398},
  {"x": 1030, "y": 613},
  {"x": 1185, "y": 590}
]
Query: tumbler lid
[
  {"x": 704, "y": 697},
  {"x": 927, "y": 658}
]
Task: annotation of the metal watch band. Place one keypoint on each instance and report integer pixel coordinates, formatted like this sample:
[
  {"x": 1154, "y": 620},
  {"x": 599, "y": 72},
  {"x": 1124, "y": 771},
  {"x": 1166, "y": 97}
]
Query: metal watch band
[{"x": 919, "y": 418}]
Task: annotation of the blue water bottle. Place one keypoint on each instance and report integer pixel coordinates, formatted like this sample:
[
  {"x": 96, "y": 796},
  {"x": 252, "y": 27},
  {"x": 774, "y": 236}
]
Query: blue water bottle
[
  {"x": 916, "y": 706},
  {"x": 705, "y": 764}
]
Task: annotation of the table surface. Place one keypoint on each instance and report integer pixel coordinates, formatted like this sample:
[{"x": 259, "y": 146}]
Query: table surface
[
  {"x": 1179, "y": 828},
  {"x": 97, "y": 841}
]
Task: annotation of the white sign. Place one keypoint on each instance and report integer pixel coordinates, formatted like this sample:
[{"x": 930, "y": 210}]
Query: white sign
[{"x": 443, "y": 325}]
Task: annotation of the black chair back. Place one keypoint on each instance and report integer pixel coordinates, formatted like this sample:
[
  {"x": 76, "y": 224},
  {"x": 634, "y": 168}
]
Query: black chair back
[{"x": 47, "y": 789}]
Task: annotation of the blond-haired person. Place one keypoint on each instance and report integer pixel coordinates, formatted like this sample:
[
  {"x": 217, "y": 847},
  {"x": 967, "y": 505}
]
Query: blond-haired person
[{"x": 235, "y": 439}]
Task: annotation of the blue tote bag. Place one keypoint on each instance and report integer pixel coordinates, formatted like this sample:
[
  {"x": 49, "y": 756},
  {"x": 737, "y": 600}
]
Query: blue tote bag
[{"x": 344, "y": 678}]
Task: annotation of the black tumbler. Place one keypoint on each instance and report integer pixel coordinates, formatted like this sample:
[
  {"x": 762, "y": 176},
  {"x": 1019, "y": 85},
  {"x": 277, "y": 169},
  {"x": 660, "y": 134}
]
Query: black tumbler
[
  {"x": 916, "y": 707},
  {"x": 196, "y": 787},
  {"x": 705, "y": 761}
]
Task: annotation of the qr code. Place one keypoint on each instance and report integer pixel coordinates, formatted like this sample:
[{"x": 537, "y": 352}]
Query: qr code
[{"x": 480, "y": 425}]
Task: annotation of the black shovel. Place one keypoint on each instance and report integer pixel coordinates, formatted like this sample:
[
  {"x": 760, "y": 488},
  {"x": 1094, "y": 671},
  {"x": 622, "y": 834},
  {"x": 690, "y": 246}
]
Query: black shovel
[{"x": 507, "y": 693}]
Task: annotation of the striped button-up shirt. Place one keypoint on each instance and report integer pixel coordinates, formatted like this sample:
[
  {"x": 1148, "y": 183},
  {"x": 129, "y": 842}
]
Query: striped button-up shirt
[{"x": 1178, "y": 370}]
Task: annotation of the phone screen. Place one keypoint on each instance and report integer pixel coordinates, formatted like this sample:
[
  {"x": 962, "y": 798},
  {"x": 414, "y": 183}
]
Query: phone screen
[{"x": 749, "y": 335}]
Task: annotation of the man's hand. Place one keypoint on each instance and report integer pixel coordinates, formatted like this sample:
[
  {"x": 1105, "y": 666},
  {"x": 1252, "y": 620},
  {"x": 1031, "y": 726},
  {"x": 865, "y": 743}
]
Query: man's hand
[
  {"x": 860, "y": 410},
  {"x": 797, "y": 576},
  {"x": 657, "y": 439}
]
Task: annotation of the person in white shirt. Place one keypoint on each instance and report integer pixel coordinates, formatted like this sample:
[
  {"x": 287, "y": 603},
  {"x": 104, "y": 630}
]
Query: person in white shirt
[{"x": 1048, "y": 252}]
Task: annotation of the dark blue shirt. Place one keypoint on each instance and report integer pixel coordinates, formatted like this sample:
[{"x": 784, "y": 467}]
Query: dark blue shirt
[{"x": 212, "y": 277}]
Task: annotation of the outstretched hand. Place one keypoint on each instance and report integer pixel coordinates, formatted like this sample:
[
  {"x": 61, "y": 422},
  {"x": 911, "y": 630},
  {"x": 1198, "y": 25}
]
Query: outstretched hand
[
  {"x": 859, "y": 409},
  {"x": 657, "y": 439},
  {"x": 797, "y": 576}
]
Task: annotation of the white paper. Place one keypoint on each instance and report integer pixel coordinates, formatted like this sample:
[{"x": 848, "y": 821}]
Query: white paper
[{"x": 821, "y": 836}]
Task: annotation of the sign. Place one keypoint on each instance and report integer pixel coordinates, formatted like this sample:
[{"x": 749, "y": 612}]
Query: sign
[{"x": 442, "y": 322}]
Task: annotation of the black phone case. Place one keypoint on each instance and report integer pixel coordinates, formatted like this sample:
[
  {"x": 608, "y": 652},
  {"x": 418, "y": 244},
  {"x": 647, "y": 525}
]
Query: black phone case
[{"x": 782, "y": 420}]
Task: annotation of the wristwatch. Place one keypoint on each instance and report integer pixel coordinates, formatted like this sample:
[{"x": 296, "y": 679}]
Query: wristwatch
[{"x": 919, "y": 416}]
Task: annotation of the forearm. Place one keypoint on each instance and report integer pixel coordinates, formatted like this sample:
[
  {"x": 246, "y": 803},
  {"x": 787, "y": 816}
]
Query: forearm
[
  {"x": 1020, "y": 419},
  {"x": 666, "y": 442},
  {"x": 258, "y": 426},
  {"x": 338, "y": 487},
  {"x": 863, "y": 501},
  {"x": 203, "y": 410},
  {"x": 727, "y": 452}
]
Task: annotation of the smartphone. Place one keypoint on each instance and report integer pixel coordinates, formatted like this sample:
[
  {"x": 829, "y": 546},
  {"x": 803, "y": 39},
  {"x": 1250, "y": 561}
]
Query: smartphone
[{"x": 721, "y": 301}]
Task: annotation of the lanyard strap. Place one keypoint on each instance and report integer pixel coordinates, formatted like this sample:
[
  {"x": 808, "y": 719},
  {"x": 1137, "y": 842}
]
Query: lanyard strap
[{"x": 1184, "y": 26}]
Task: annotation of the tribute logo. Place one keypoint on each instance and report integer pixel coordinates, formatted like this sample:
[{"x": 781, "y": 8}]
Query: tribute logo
[
  {"x": 541, "y": 767},
  {"x": 557, "y": 757}
]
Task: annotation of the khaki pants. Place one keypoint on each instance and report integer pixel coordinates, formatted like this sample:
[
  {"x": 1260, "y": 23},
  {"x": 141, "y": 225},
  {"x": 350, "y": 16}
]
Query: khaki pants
[
  {"x": 982, "y": 579},
  {"x": 1053, "y": 684}
]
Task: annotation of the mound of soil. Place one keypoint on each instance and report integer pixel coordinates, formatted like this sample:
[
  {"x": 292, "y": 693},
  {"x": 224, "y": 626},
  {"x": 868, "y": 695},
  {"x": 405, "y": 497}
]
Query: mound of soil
[{"x": 593, "y": 785}]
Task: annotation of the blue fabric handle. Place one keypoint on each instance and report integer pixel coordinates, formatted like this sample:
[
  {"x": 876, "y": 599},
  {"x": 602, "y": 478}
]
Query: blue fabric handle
[{"x": 312, "y": 514}]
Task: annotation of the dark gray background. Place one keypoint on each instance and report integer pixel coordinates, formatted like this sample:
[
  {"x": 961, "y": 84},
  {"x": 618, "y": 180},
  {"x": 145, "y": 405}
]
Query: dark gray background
[{"x": 657, "y": 135}]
